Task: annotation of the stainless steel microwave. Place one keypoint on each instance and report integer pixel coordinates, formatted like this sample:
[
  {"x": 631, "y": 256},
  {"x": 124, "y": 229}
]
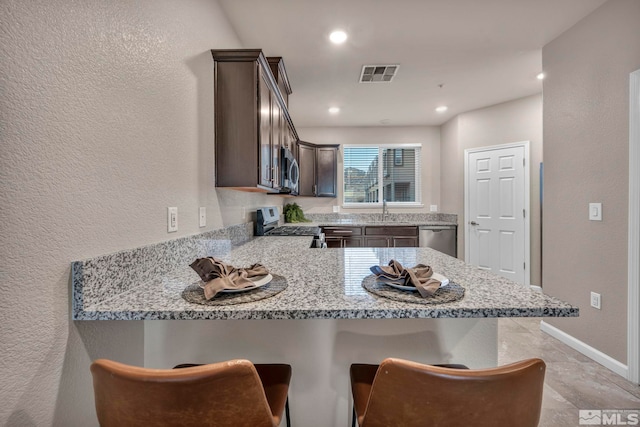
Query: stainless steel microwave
[{"x": 290, "y": 172}]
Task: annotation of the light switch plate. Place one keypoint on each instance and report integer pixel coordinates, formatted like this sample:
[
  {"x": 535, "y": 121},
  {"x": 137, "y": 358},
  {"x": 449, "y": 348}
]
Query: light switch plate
[
  {"x": 203, "y": 216},
  {"x": 172, "y": 219},
  {"x": 595, "y": 300},
  {"x": 595, "y": 211}
]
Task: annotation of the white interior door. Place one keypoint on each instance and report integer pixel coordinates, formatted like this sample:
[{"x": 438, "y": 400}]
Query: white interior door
[{"x": 496, "y": 207}]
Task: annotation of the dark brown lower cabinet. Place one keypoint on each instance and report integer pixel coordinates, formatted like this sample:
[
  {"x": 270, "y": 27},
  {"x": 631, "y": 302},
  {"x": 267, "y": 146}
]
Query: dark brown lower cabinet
[
  {"x": 352, "y": 242},
  {"x": 390, "y": 242},
  {"x": 405, "y": 242},
  {"x": 344, "y": 242},
  {"x": 392, "y": 236},
  {"x": 371, "y": 236},
  {"x": 376, "y": 242},
  {"x": 343, "y": 237}
]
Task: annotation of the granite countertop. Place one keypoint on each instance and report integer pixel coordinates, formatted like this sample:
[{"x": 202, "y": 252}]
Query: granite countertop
[
  {"x": 395, "y": 219},
  {"x": 364, "y": 223},
  {"x": 322, "y": 283}
]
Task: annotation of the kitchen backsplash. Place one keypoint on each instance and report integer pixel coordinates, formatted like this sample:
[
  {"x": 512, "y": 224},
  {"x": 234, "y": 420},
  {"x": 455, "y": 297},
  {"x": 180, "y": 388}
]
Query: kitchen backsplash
[
  {"x": 391, "y": 218},
  {"x": 99, "y": 278}
]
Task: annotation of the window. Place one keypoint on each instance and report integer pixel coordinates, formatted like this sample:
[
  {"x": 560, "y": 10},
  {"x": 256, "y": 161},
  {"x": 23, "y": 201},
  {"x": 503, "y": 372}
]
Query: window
[{"x": 376, "y": 173}]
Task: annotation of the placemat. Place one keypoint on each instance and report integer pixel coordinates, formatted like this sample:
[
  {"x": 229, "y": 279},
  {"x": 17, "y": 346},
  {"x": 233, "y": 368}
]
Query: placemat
[
  {"x": 450, "y": 293},
  {"x": 195, "y": 294}
]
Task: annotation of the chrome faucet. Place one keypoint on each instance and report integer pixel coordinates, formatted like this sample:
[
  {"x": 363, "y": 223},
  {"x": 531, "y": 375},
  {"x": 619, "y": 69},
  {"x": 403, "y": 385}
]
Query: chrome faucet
[{"x": 385, "y": 210}]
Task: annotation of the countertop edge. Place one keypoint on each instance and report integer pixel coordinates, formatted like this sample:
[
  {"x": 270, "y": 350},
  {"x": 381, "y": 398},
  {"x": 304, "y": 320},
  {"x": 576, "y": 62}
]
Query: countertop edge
[{"x": 327, "y": 314}]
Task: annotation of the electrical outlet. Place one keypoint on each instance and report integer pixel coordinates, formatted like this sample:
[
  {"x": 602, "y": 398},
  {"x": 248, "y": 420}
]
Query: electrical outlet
[
  {"x": 203, "y": 216},
  {"x": 595, "y": 300},
  {"x": 172, "y": 219},
  {"x": 336, "y": 208},
  {"x": 433, "y": 208}
]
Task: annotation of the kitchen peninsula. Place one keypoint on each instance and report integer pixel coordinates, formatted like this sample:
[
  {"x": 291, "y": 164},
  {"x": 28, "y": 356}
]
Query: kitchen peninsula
[
  {"x": 322, "y": 284},
  {"x": 320, "y": 324}
]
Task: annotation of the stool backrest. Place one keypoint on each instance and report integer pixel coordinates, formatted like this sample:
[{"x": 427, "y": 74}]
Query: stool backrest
[
  {"x": 220, "y": 394},
  {"x": 411, "y": 394}
]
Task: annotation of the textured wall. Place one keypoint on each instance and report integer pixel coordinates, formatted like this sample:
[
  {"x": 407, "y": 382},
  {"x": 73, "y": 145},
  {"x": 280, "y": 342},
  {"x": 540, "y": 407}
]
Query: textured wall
[
  {"x": 514, "y": 121},
  {"x": 106, "y": 118},
  {"x": 586, "y": 144},
  {"x": 428, "y": 136}
]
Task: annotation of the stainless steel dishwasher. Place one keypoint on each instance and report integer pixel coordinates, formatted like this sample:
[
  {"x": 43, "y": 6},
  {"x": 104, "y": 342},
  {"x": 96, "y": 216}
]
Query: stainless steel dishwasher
[{"x": 442, "y": 238}]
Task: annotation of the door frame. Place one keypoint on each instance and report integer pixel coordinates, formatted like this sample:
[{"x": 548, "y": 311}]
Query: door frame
[
  {"x": 633, "y": 295},
  {"x": 527, "y": 201}
]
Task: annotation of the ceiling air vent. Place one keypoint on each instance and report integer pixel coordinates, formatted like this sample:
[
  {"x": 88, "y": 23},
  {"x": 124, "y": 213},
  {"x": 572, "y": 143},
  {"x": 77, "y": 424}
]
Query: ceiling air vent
[{"x": 378, "y": 73}]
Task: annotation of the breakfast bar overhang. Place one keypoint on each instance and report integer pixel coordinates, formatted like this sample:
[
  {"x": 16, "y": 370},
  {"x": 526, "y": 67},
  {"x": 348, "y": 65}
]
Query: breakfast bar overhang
[{"x": 320, "y": 324}]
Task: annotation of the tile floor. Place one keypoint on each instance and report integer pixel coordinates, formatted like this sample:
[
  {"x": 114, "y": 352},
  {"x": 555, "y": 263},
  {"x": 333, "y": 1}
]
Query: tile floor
[{"x": 572, "y": 381}]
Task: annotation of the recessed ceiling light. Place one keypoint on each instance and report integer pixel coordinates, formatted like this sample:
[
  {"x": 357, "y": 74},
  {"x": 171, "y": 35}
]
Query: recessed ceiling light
[
  {"x": 334, "y": 110},
  {"x": 442, "y": 109},
  {"x": 540, "y": 76},
  {"x": 338, "y": 37}
]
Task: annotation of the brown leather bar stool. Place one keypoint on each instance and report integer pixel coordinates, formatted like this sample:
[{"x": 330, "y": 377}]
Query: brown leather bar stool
[
  {"x": 226, "y": 394},
  {"x": 409, "y": 394},
  {"x": 275, "y": 381}
]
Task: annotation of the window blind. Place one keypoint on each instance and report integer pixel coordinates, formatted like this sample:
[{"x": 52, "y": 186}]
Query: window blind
[{"x": 376, "y": 173}]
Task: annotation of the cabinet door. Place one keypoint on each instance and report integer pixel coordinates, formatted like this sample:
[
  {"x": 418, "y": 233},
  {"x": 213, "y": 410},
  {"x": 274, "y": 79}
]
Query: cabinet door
[
  {"x": 282, "y": 87},
  {"x": 326, "y": 171},
  {"x": 307, "y": 164},
  {"x": 334, "y": 242},
  {"x": 352, "y": 242},
  {"x": 291, "y": 141},
  {"x": 392, "y": 230},
  {"x": 405, "y": 242},
  {"x": 376, "y": 242},
  {"x": 276, "y": 140},
  {"x": 264, "y": 114}
]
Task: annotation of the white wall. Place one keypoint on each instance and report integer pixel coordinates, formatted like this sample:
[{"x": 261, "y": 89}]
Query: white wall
[
  {"x": 513, "y": 121},
  {"x": 106, "y": 119},
  {"x": 427, "y": 136}
]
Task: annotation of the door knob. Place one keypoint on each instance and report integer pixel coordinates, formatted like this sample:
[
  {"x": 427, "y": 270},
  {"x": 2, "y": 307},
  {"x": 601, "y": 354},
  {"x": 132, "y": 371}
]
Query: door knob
[{"x": 474, "y": 223}]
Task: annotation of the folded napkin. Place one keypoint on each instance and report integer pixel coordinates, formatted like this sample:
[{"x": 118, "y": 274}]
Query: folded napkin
[
  {"x": 218, "y": 276},
  {"x": 418, "y": 276}
]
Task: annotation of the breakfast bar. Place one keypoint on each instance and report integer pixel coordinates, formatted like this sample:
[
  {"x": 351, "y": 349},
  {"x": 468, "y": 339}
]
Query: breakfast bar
[{"x": 323, "y": 320}]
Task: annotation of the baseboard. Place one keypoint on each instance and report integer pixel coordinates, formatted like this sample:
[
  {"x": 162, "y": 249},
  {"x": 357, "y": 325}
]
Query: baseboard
[
  {"x": 592, "y": 353},
  {"x": 536, "y": 288}
]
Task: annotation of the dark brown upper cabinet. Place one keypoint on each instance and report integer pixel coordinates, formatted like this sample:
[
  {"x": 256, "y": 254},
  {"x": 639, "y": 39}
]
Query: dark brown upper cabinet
[
  {"x": 252, "y": 122},
  {"x": 276, "y": 63},
  {"x": 318, "y": 169},
  {"x": 288, "y": 136}
]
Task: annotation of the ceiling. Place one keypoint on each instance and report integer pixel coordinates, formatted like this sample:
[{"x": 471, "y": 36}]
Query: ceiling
[{"x": 465, "y": 54}]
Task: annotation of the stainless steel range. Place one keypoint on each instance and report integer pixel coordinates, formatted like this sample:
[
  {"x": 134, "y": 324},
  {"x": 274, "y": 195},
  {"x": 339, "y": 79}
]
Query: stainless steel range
[{"x": 267, "y": 225}]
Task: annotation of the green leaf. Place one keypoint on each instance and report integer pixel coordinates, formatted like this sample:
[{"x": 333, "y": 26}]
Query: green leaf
[{"x": 293, "y": 213}]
